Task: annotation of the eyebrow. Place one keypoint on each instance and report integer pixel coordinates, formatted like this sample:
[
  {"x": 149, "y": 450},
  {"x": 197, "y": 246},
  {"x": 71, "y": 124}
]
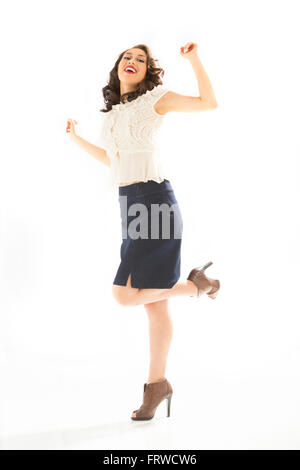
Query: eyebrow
[{"x": 138, "y": 54}]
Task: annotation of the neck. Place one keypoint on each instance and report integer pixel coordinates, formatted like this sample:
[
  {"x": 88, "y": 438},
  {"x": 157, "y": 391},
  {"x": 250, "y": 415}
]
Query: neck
[{"x": 125, "y": 89}]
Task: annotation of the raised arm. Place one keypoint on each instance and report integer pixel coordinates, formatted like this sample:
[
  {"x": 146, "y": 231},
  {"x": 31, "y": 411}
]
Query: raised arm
[{"x": 206, "y": 100}]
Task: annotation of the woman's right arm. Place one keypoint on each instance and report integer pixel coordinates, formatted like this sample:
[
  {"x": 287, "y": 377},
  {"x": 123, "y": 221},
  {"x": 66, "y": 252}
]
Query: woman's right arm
[{"x": 97, "y": 152}]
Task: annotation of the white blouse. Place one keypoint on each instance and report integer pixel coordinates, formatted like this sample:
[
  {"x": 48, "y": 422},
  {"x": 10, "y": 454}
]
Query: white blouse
[{"x": 128, "y": 136}]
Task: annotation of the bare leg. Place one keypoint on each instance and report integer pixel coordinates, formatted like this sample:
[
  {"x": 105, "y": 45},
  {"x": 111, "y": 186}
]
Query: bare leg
[
  {"x": 160, "y": 336},
  {"x": 133, "y": 296}
]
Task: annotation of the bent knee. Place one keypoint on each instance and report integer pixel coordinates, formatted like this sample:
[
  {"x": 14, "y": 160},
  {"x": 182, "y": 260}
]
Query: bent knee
[{"x": 120, "y": 295}]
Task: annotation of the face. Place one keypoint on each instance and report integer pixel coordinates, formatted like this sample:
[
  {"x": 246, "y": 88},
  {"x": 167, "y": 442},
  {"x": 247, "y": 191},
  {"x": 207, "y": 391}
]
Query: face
[{"x": 138, "y": 60}]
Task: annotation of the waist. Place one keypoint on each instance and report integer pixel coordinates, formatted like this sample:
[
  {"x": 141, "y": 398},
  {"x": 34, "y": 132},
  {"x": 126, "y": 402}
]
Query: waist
[
  {"x": 127, "y": 184},
  {"x": 143, "y": 188}
]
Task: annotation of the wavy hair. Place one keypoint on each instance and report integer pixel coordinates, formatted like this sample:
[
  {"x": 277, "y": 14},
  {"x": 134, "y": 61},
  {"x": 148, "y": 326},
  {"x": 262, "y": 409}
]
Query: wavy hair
[{"x": 111, "y": 92}]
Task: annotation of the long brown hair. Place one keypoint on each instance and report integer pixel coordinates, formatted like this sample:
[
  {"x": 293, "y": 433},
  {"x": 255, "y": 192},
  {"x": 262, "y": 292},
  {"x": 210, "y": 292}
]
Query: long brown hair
[{"x": 111, "y": 92}]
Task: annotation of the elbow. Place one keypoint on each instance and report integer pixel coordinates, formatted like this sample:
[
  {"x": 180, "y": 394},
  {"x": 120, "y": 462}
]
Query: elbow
[{"x": 210, "y": 103}]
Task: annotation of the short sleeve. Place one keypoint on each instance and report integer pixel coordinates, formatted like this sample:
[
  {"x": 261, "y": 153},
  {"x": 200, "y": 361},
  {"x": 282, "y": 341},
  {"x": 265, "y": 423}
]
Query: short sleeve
[{"x": 157, "y": 93}]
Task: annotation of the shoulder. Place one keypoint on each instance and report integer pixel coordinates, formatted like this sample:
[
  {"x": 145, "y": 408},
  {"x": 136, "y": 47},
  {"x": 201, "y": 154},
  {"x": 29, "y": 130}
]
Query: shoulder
[
  {"x": 158, "y": 91},
  {"x": 156, "y": 95}
]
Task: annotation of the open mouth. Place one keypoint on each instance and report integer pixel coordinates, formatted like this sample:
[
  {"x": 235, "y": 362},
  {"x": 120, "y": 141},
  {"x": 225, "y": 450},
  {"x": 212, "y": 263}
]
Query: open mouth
[{"x": 130, "y": 69}]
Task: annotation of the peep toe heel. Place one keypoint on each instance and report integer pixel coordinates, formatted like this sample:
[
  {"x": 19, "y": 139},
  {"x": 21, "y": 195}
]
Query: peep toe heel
[
  {"x": 154, "y": 394},
  {"x": 203, "y": 284}
]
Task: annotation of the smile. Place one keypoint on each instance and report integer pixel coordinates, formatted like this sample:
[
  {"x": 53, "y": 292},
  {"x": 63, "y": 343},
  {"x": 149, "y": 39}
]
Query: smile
[{"x": 130, "y": 69}]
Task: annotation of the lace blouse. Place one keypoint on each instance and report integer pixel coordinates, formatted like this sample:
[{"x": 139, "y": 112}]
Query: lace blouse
[{"x": 128, "y": 136}]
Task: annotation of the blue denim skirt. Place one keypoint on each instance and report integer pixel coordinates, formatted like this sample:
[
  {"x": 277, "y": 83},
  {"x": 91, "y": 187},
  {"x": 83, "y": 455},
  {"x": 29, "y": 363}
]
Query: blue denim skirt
[{"x": 152, "y": 226}]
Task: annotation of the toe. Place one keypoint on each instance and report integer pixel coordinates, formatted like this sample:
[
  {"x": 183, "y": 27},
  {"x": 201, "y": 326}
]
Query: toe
[
  {"x": 216, "y": 286},
  {"x": 133, "y": 415},
  {"x": 213, "y": 296}
]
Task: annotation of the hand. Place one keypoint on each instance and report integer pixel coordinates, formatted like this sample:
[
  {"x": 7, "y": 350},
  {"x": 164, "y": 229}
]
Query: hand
[
  {"x": 189, "y": 51},
  {"x": 71, "y": 127}
]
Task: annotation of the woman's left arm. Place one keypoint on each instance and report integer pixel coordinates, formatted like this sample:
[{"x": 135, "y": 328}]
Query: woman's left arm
[{"x": 172, "y": 101}]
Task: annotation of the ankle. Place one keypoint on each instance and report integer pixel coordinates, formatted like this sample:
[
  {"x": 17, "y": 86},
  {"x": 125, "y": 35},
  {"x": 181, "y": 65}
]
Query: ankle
[
  {"x": 160, "y": 379},
  {"x": 193, "y": 287}
]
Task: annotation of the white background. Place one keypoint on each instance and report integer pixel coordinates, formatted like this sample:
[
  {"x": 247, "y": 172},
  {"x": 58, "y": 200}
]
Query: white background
[{"x": 73, "y": 361}]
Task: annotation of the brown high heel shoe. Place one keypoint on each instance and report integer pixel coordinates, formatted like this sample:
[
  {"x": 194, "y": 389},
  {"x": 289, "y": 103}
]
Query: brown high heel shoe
[
  {"x": 154, "y": 394},
  {"x": 204, "y": 284}
]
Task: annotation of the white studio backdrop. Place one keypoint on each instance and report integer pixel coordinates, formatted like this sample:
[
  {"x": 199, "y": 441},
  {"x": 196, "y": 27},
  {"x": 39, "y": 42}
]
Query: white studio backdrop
[{"x": 67, "y": 347}]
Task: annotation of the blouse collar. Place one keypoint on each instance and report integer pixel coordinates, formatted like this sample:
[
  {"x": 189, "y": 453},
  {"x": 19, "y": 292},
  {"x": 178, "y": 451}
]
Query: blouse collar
[{"x": 128, "y": 103}]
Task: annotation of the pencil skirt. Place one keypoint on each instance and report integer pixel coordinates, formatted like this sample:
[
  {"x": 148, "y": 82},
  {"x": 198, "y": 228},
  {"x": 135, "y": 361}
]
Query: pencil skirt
[{"x": 152, "y": 227}]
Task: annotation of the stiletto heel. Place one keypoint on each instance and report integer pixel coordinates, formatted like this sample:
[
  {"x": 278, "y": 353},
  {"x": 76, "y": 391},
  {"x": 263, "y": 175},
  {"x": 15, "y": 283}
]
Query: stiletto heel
[
  {"x": 169, "y": 398},
  {"x": 203, "y": 267},
  {"x": 202, "y": 283}
]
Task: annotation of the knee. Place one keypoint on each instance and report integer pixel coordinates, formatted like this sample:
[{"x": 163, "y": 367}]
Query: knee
[{"x": 122, "y": 298}]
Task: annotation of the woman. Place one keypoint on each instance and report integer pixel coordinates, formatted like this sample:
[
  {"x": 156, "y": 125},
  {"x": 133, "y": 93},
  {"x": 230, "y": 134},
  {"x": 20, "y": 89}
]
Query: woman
[{"x": 150, "y": 253}]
